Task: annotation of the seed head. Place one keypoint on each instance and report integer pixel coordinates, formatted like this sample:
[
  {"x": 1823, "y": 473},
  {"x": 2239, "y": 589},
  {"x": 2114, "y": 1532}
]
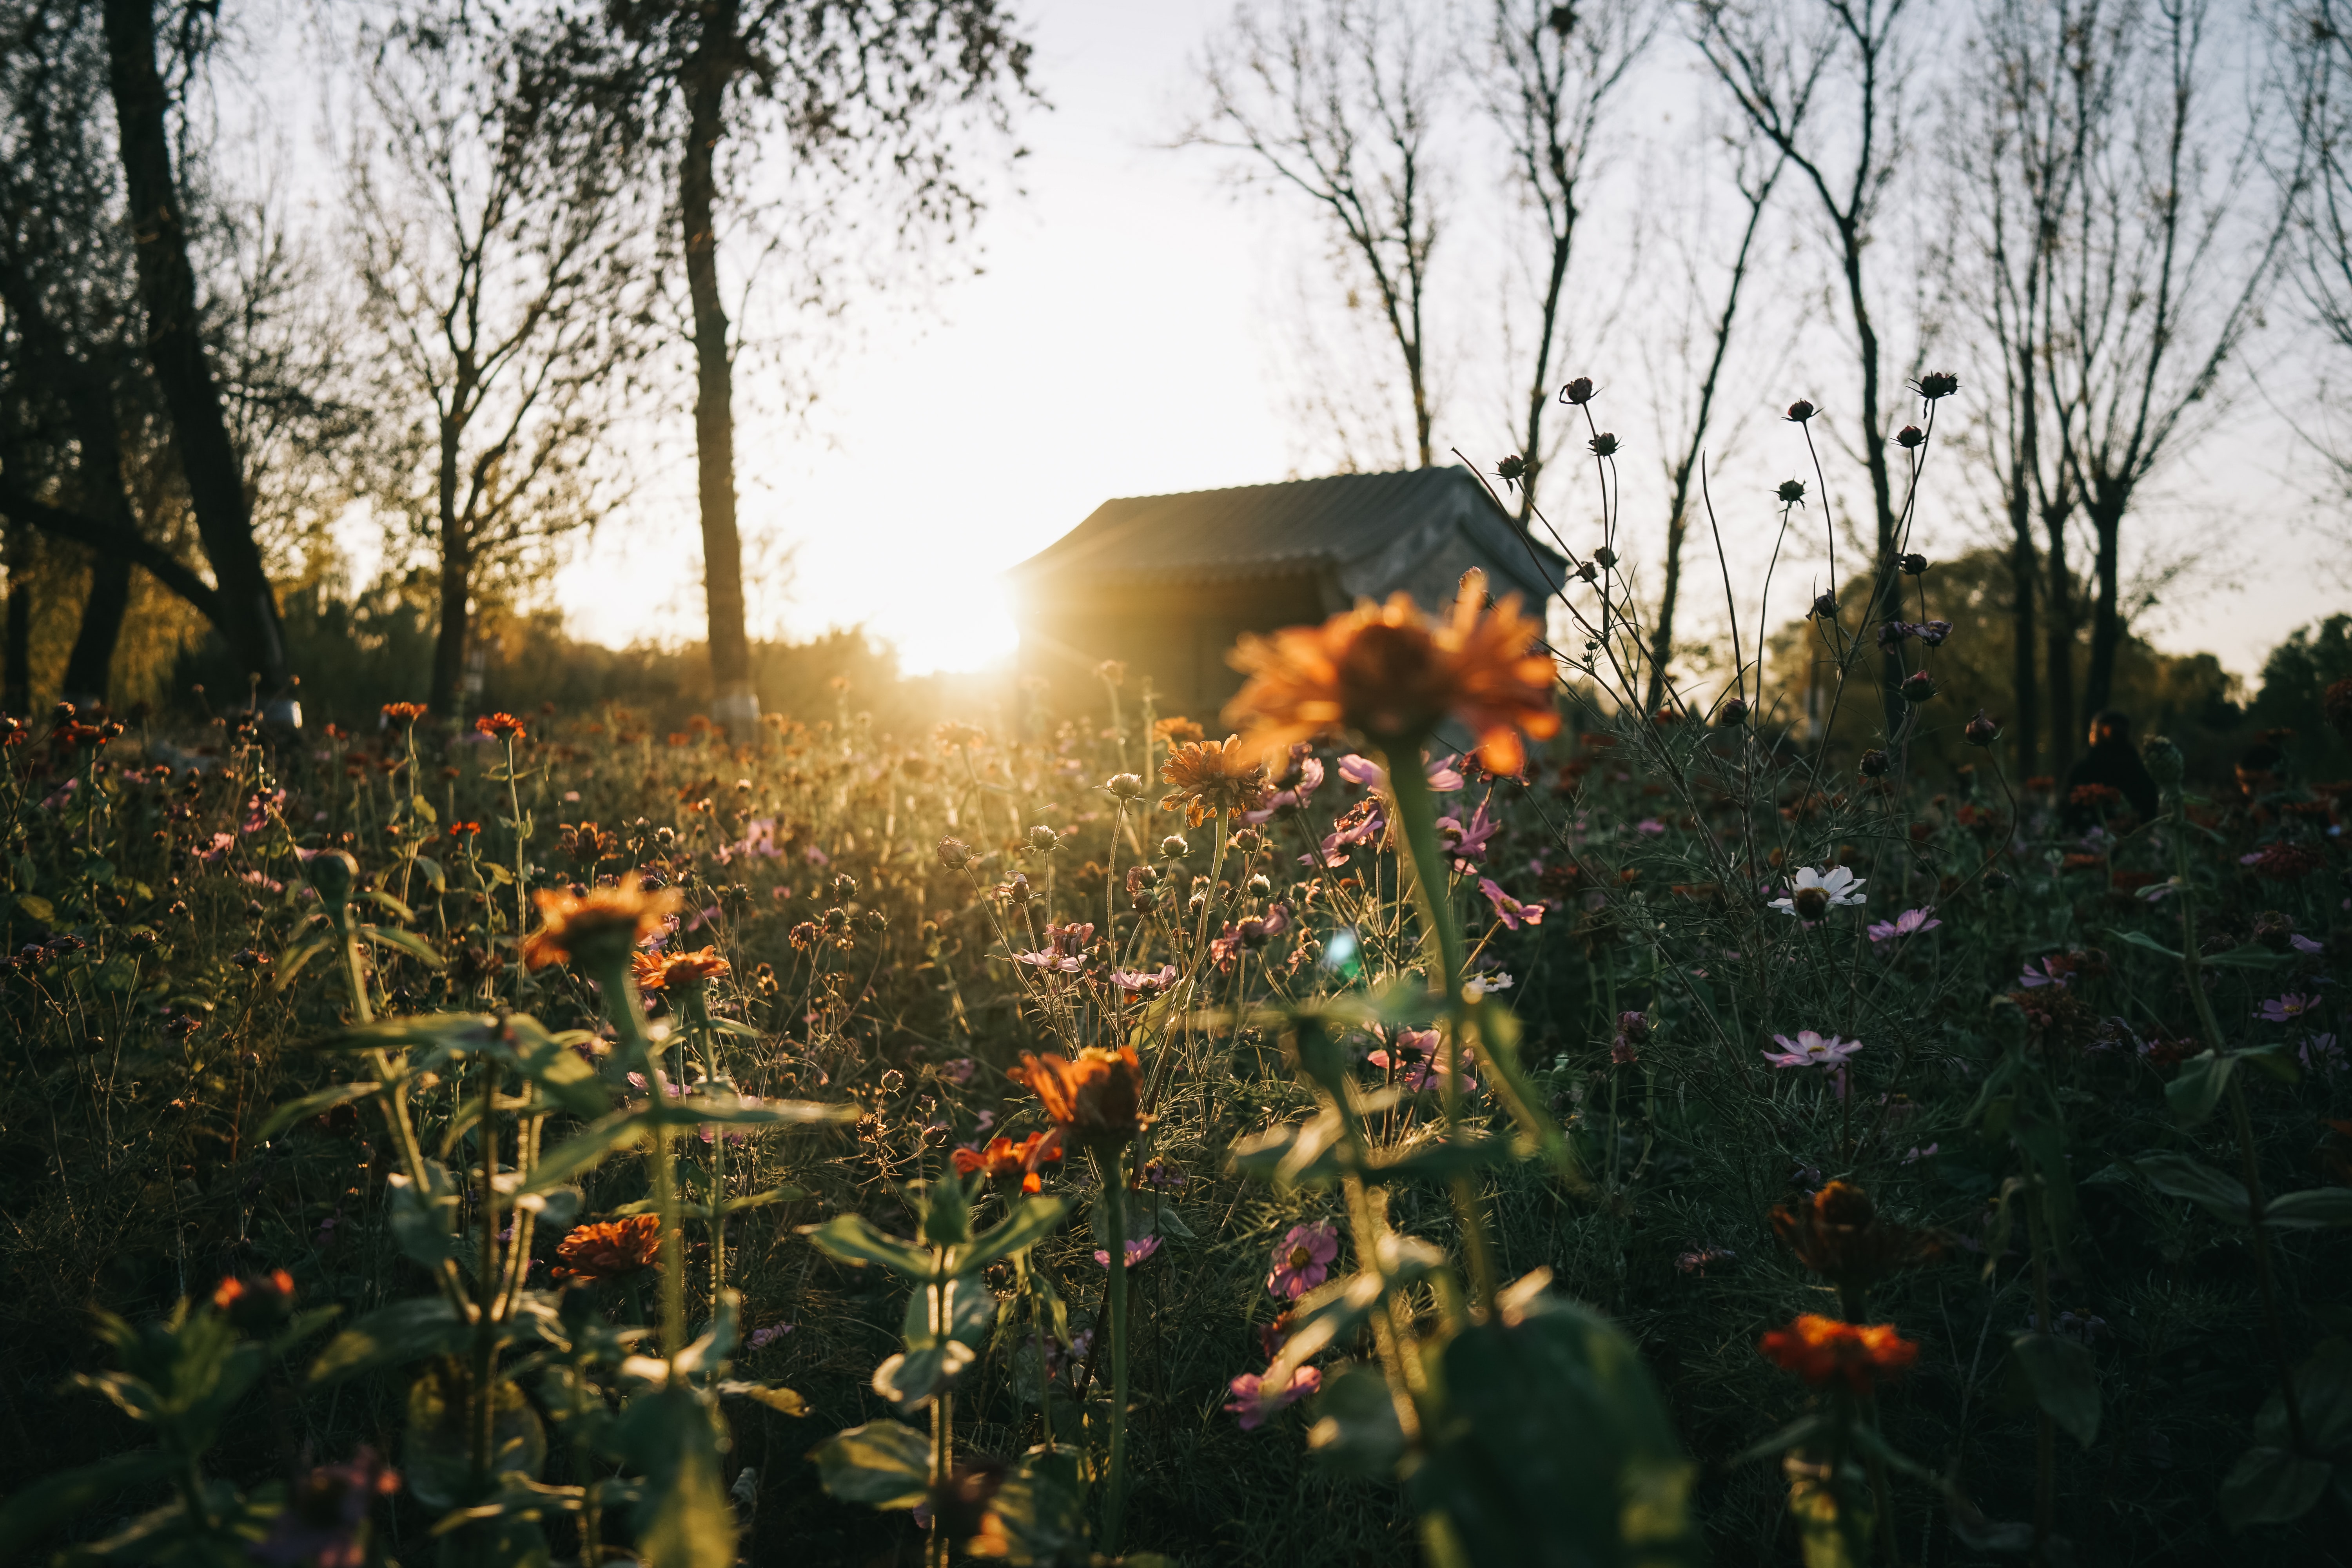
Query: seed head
[
  {"x": 1732, "y": 714},
  {"x": 2165, "y": 762},
  {"x": 1919, "y": 688},
  {"x": 1606, "y": 557},
  {"x": 1981, "y": 730},
  {"x": 1801, "y": 410},
  {"x": 1792, "y": 492},
  {"x": 1910, "y": 438},
  {"x": 1044, "y": 839},
  {"x": 1125, "y": 787},
  {"x": 1874, "y": 764},
  {"x": 1174, "y": 847},
  {"x": 1913, "y": 565},
  {"x": 1937, "y": 383},
  {"x": 1603, "y": 444},
  {"x": 1578, "y": 392}
]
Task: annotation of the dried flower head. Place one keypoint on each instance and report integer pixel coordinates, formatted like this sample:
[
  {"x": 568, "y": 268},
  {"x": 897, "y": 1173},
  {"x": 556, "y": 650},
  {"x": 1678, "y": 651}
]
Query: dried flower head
[
  {"x": 1093, "y": 1099},
  {"x": 1937, "y": 383},
  {"x": 1603, "y": 444},
  {"x": 598, "y": 927},
  {"x": 1392, "y": 675},
  {"x": 678, "y": 972},
  {"x": 1578, "y": 392},
  {"x": 1209, "y": 776},
  {"x": 1801, "y": 410},
  {"x": 1839, "y": 1233},
  {"x": 1823, "y": 1351},
  {"x": 1980, "y": 731},
  {"x": 611, "y": 1249},
  {"x": 1910, "y": 438},
  {"x": 1792, "y": 492}
]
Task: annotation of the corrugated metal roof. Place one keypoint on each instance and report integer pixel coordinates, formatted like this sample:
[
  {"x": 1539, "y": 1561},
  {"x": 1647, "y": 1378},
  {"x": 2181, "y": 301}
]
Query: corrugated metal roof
[{"x": 1303, "y": 525}]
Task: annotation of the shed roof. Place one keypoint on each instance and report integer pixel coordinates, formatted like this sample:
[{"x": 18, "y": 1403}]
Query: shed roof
[{"x": 1358, "y": 530}]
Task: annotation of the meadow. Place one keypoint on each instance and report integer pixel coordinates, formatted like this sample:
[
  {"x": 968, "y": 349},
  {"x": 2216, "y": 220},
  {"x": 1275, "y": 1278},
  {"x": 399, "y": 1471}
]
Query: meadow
[{"x": 1469, "y": 1117}]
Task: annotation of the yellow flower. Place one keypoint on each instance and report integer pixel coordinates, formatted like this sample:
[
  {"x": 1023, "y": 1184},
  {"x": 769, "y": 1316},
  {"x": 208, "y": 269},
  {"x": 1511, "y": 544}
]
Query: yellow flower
[
  {"x": 604, "y": 923},
  {"x": 1208, "y": 776},
  {"x": 678, "y": 971}
]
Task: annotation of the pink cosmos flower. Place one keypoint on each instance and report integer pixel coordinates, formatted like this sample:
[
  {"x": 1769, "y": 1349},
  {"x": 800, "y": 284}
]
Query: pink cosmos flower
[
  {"x": 1253, "y": 1402},
  {"x": 1650, "y": 827},
  {"x": 2303, "y": 943},
  {"x": 1508, "y": 910},
  {"x": 2287, "y": 1008},
  {"x": 1467, "y": 845},
  {"x": 1137, "y": 1249},
  {"x": 1415, "y": 1061},
  {"x": 1812, "y": 1050},
  {"x": 1303, "y": 1260},
  {"x": 1360, "y": 770},
  {"x": 2321, "y": 1052},
  {"x": 1142, "y": 983},
  {"x": 1905, "y": 924},
  {"x": 2046, "y": 975}
]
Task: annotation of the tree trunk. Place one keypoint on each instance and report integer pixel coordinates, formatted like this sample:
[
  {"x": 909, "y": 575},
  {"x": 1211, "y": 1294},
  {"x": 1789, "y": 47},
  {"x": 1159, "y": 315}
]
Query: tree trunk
[
  {"x": 91, "y": 662},
  {"x": 2025, "y": 722},
  {"x": 450, "y": 644},
  {"x": 714, "y": 64},
  {"x": 16, "y": 681},
  {"x": 2058, "y": 662},
  {"x": 2106, "y": 612},
  {"x": 1662, "y": 639},
  {"x": 167, "y": 289},
  {"x": 1886, "y": 595},
  {"x": 1539, "y": 392}
]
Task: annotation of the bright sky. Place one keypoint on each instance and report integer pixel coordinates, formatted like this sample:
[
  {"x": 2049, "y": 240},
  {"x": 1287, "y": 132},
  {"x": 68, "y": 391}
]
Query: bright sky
[{"x": 1132, "y": 335}]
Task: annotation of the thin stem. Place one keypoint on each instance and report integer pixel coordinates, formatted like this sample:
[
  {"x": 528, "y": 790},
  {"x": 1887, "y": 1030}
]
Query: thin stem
[{"x": 1112, "y": 1167}]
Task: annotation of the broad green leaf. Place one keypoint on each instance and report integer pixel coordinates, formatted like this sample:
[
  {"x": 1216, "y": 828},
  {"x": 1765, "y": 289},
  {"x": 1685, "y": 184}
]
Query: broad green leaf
[
  {"x": 2197, "y": 1087},
  {"x": 1039, "y": 1515},
  {"x": 883, "y": 1464},
  {"x": 853, "y": 1239},
  {"x": 958, "y": 1309},
  {"x": 423, "y": 1222},
  {"x": 2065, "y": 1382},
  {"x": 391, "y": 1336},
  {"x": 299, "y": 955},
  {"x": 432, "y": 873},
  {"x": 683, "y": 1518},
  {"x": 2183, "y": 1177},
  {"x": 385, "y": 901},
  {"x": 2254, "y": 955},
  {"x": 1356, "y": 1431},
  {"x": 35, "y": 1509},
  {"x": 436, "y": 1449},
  {"x": 1031, "y": 1222},
  {"x": 945, "y": 1212},
  {"x": 309, "y": 1105},
  {"x": 775, "y": 1396},
  {"x": 909, "y": 1380},
  {"x": 2144, "y": 942},
  {"x": 2314, "y": 1208},
  {"x": 407, "y": 942},
  {"x": 2272, "y": 1486}
]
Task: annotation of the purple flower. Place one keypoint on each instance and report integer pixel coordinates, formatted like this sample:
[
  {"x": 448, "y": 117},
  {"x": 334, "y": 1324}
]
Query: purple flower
[
  {"x": 1812, "y": 1050},
  {"x": 1363, "y": 771},
  {"x": 1649, "y": 827},
  {"x": 1253, "y": 1402},
  {"x": 1508, "y": 910},
  {"x": 2287, "y": 1008},
  {"x": 1137, "y": 1249},
  {"x": 957, "y": 1071},
  {"x": 1303, "y": 1260},
  {"x": 1905, "y": 924},
  {"x": 2321, "y": 1051},
  {"x": 761, "y": 1339},
  {"x": 324, "y": 1524},
  {"x": 1144, "y": 983},
  {"x": 2303, "y": 943},
  {"x": 2046, "y": 975},
  {"x": 1467, "y": 846}
]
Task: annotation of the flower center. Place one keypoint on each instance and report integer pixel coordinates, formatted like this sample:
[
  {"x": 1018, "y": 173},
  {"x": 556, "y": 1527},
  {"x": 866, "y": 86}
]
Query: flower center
[{"x": 1300, "y": 1257}]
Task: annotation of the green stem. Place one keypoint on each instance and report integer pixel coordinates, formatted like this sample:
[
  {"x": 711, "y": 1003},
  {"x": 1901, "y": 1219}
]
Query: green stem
[
  {"x": 2045, "y": 1437},
  {"x": 1114, "y": 1180},
  {"x": 485, "y": 1286},
  {"x": 622, "y": 1010}
]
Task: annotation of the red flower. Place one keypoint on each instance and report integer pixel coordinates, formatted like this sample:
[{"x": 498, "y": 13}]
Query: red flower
[
  {"x": 504, "y": 726},
  {"x": 1823, "y": 1351}
]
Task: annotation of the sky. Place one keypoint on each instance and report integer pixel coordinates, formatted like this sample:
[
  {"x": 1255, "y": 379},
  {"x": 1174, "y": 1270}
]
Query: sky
[{"x": 1136, "y": 330}]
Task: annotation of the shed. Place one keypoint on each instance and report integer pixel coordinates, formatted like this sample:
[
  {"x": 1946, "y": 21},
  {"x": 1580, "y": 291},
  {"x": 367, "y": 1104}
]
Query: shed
[{"x": 1166, "y": 584}]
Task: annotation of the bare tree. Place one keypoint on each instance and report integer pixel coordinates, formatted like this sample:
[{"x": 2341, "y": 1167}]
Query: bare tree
[
  {"x": 504, "y": 286},
  {"x": 1336, "y": 99},
  {"x": 1777, "y": 59},
  {"x": 2317, "y": 53},
  {"x": 1550, "y": 72},
  {"x": 884, "y": 99}
]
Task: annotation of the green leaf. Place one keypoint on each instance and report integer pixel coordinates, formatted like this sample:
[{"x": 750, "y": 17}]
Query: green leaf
[
  {"x": 1356, "y": 1431},
  {"x": 1040, "y": 1513},
  {"x": 35, "y": 1509},
  {"x": 683, "y": 1518},
  {"x": 775, "y": 1396},
  {"x": 1029, "y": 1224},
  {"x": 422, "y": 1222},
  {"x": 436, "y": 1449},
  {"x": 883, "y": 1464},
  {"x": 584, "y": 1150},
  {"x": 407, "y": 942},
  {"x": 909, "y": 1380},
  {"x": 1437, "y": 1159},
  {"x": 2272, "y": 1486},
  {"x": 2183, "y": 1177},
  {"x": 2323, "y": 1392},
  {"x": 2254, "y": 955},
  {"x": 309, "y": 1105},
  {"x": 958, "y": 1309},
  {"x": 853, "y": 1239},
  {"x": 723, "y": 1110},
  {"x": 1308, "y": 1155},
  {"x": 2064, "y": 1380},
  {"x": 385, "y": 901},
  {"x": 404, "y": 1331},
  {"x": 2144, "y": 942},
  {"x": 2197, "y": 1087},
  {"x": 432, "y": 873},
  {"x": 2314, "y": 1208},
  {"x": 946, "y": 1211},
  {"x": 36, "y": 908},
  {"x": 296, "y": 956},
  {"x": 419, "y": 806}
]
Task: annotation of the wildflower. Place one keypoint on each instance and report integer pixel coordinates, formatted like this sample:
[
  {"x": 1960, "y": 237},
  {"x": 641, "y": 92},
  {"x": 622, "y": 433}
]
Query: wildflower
[
  {"x": 1933, "y": 633},
  {"x": 1824, "y": 608},
  {"x": 1650, "y": 827},
  {"x": 1698, "y": 1260},
  {"x": 1792, "y": 492},
  {"x": 1578, "y": 392},
  {"x": 1632, "y": 1028},
  {"x": 1919, "y": 688},
  {"x": 1732, "y": 714},
  {"x": 1905, "y": 924},
  {"x": 1477, "y": 985},
  {"x": 402, "y": 713},
  {"x": 2320, "y": 1053},
  {"x": 2058, "y": 969},
  {"x": 1910, "y": 438},
  {"x": 254, "y": 1305},
  {"x": 1839, "y": 1233},
  {"x": 1815, "y": 892},
  {"x": 761, "y": 1339},
  {"x": 1125, "y": 787},
  {"x": 1603, "y": 444},
  {"x": 1093, "y": 1099},
  {"x": 1823, "y": 1351},
  {"x": 2302, "y": 944},
  {"x": 686, "y": 970},
  {"x": 500, "y": 726},
  {"x": 2283, "y": 862},
  {"x": 1253, "y": 1402},
  {"x": 324, "y": 1522},
  {"x": 1387, "y": 672},
  {"x": 1210, "y": 777},
  {"x": 1138, "y": 983},
  {"x": 1812, "y": 1050},
  {"x": 1801, "y": 410},
  {"x": 598, "y": 927},
  {"x": 1508, "y": 910},
  {"x": 2287, "y": 1009},
  {"x": 1303, "y": 1260},
  {"x": 611, "y": 1249},
  {"x": 1874, "y": 764},
  {"x": 1980, "y": 731},
  {"x": 1138, "y": 1248},
  {"x": 1003, "y": 1161}
]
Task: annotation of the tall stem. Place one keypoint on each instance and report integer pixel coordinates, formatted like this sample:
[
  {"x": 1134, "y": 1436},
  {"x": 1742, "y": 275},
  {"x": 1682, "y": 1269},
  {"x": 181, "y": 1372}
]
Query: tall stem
[{"x": 1112, "y": 1167}]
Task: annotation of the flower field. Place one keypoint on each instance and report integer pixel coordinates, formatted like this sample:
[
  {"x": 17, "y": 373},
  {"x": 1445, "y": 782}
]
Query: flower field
[{"x": 1463, "y": 1117}]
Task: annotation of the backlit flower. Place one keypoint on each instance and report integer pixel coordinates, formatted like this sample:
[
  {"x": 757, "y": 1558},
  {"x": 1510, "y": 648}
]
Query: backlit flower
[
  {"x": 1208, "y": 776},
  {"x": 1005, "y": 1161},
  {"x": 1508, "y": 910},
  {"x": 1813, "y": 893},
  {"x": 1811, "y": 1050},
  {"x": 1093, "y": 1099},
  {"x": 679, "y": 971},
  {"x": 1303, "y": 1260},
  {"x": 1905, "y": 924},
  {"x": 1823, "y": 1351},
  {"x": 600, "y": 926},
  {"x": 1253, "y": 1402},
  {"x": 1389, "y": 673},
  {"x": 500, "y": 726},
  {"x": 2287, "y": 1009},
  {"x": 611, "y": 1249},
  {"x": 402, "y": 713},
  {"x": 1138, "y": 1248},
  {"x": 257, "y": 1304}
]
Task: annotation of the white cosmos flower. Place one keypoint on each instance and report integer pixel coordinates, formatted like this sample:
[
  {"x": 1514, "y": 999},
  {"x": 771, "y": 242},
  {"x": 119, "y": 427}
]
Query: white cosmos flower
[{"x": 1839, "y": 882}]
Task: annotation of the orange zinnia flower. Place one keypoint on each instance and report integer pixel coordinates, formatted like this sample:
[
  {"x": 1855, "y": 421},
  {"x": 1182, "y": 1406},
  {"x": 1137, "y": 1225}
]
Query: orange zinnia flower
[
  {"x": 254, "y": 1305},
  {"x": 604, "y": 924},
  {"x": 1093, "y": 1101},
  {"x": 403, "y": 713},
  {"x": 1823, "y": 1351},
  {"x": 1392, "y": 675},
  {"x": 1005, "y": 1160},
  {"x": 610, "y": 1250},
  {"x": 678, "y": 971},
  {"x": 505, "y": 726},
  {"x": 1209, "y": 777}
]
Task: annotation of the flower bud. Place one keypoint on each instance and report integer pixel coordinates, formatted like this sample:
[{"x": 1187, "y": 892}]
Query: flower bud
[
  {"x": 1825, "y": 607},
  {"x": 1910, "y": 438},
  {"x": 1603, "y": 444},
  {"x": 1606, "y": 557},
  {"x": 1801, "y": 410},
  {"x": 2164, "y": 761},
  {"x": 2272, "y": 928},
  {"x": 1260, "y": 887},
  {"x": 954, "y": 854},
  {"x": 1511, "y": 469},
  {"x": 1587, "y": 571},
  {"x": 1919, "y": 688},
  {"x": 1874, "y": 764},
  {"x": 1125, "y": 787},
  {"x": 1578, "y": 392},
  {"x": 1791, "y": 492},
  {"x": 1913, "y": 565},
  {"x": 1732, "y": 714},
  {"x": 1980, "y": 731},
  {"x": 1174, "y": 847},
  {"x": 1044, "y": 839},
  {"x": 1938, "y": 384}
]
